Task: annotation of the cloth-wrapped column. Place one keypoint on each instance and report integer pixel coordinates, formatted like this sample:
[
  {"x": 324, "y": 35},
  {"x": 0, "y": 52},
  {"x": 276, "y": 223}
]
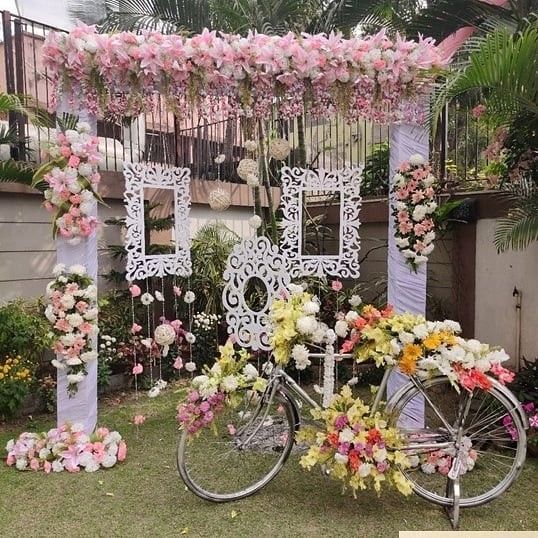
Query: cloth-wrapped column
[
  {"x": 81, "y": 407},
  {"x": 406, "y": 289}
]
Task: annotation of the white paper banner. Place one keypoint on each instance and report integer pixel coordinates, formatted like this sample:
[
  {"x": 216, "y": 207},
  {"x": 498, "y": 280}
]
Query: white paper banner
[
  {"x": 406, "y": 289},
  {"x": 82, "y": 406}
]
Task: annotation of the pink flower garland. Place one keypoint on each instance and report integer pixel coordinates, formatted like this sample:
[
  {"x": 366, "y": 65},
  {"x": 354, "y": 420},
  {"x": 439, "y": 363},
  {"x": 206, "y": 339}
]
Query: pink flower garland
[
  {"x": 72, "y": 178},
  {"x": 376, "y": 77},
  {"x": 72, "y": 311},
  {"x": 66, "y": 448},
  {"x": 412, "y": 208}
]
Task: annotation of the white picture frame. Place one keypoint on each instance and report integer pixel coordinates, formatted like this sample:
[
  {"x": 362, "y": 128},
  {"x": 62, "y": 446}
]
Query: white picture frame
[
  {"x": 258, "y": 258},
  {"x": 149, "y": 175},
  {"x": 295, "y": 182}
]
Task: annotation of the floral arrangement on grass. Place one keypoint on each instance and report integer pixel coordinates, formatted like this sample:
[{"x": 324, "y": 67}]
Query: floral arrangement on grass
[
  {"x": 355, "y": 447},
  {"x": 375, "y": 77},
  {"x": 423, "y": 348},
  {"x": 217, "y": 387},
  {"x": 15, "y": 378},
  {"x": 532, "y": 414},
  {"x": 66, "y": 448},
  {"x": 295, "y": 325},
  {"x": 72, "y": 311},
  {"x": 72, "y": 177},
  {"x": 412, "y": 207}
]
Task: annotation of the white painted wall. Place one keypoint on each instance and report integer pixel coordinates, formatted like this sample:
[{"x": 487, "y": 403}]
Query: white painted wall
[
  {"x": 496, "y": 277},
  {"x": 28, "y": 254}
]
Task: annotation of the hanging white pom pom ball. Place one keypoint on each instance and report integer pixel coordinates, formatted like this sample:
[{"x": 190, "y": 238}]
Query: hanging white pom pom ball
[
  {"x": 219, "y": 200},
  {"x": 255, "y": 222},
  {"x": 279, "y": 149}
]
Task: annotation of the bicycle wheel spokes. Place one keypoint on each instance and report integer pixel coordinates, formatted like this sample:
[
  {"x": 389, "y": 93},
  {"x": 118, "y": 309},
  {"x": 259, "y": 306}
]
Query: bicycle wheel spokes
[
  {"x": 241, "y": 451},
  {"x": 490, "y": 456}
]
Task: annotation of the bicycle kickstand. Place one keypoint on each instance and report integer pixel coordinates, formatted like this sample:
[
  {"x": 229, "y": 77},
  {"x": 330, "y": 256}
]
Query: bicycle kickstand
[{"x": 453, "y": 511}]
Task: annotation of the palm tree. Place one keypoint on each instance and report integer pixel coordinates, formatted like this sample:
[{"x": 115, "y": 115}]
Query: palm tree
[{"x": 11, "y": 170}]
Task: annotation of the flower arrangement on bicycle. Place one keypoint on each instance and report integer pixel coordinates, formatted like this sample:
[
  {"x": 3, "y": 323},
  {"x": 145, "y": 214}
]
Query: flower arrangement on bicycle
[
  {"x": 423, "y": 348},
  {"x": 355, "y": 446},
  {"x": 217, "y": 387}
]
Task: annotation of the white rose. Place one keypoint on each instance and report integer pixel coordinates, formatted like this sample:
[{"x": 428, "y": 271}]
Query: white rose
[
  {"x": 428, "y": 237},
  {"x": 49, "y": 314},
  {"x": 420, "y": 330},
  {"x": 190, "y": 366},
  {"x": 295, "y": 289},
  {"x": 58, "y": 269},
  {"x": 199, "y": 380},
  {"x": 91, "y": 292},
  {"x": 401, "y": 242},
  {"x": 429, "y": 180},
  {"x": 341, "y": 328},
  {"x": 74, "y": 319},
  {"x": 20, "y": 464},
  {"x": 250, "y": 372},
  {"x": 428, "y": 250},
  {"x": 57, "y": 364},
  {"x": 419, "y": 213},
  {"x": 109, "y": 461},
  {"x": 165, "y": 335},
  {"x": 416, "y": 160},
  {"x": 311, "y": 307},
  {"x": 88, "y": 356},
  {"x": 84, "y": 126},
  {"x": 380, "y": 454},
  {"x": 406, "y": 338},
  {"x": 355, "y": 300},
  {"x": 91, "y": 314},
  {"x": 73, "y": 379},
  {"x": 351, "y": 316}
]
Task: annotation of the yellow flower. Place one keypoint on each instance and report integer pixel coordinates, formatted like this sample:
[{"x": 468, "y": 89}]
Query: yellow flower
[
  {"x": 410, "y": 355},
  {"x": 433, "y": 341},
  {"x": 1, "y": 375},
  {"x": 402, "y": 484}
]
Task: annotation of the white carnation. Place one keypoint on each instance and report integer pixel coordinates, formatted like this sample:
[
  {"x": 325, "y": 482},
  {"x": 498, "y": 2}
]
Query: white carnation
[
  {"x": 300, "y": 355},
  {"x": 401, "y": 242},
  {"x": 250, "y": 372},
  {"x": 109, "y": 461},
  {"x": 190, "y": 366},
  {"x": 58, "y": 269},
  {"x": 311, "y": 307},
  {"x": 351, "y": 316},
  {"x": 67, "y": 301},
  {"x": 341, "y": 458},
  {"x": 74, "y": 319},
  {"x": 355, "y": 300},
  {"x": 88, "y": 356},
  {"x": 307, "y": 325},
  {"x": 73, "y": 379},
  {"x": 346, "y": 435},
  {"x": 78, "y": 269},
  {"x": 229, "y": 383}
]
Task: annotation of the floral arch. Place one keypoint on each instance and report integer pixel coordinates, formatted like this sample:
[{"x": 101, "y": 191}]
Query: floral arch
[{"x": 377, "y": 78}]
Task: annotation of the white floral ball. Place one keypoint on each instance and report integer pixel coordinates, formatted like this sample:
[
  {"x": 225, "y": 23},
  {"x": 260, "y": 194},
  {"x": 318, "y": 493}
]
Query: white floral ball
[
  {"x": 247, "y": 167},
  {"x": 250, "y": 145},
  {"x": 279, "y": 149},
  {"x": 255, "y": 222},
  {"x": 416, "y": 159},
  {"x": 253, "y": 180},
  {"x": 190, "y": 366},
  {"x": 164, "y": 334},
  {"x": 219, "y": 200}
]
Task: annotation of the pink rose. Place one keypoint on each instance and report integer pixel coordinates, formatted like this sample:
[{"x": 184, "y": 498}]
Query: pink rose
[
  {"x": 122, "y": 451},
  {"x": 135, "y": 290},
  {"x": 74, "y": 161},
  {"x": 135, "y": 328},
  {"x": 336, "y": 285},
  {"x": 178, "y": 363},
  {"x": 47, "y": 467},
  {"x": 177, "y": 291},
  {"x": 138, "y": 368},
  {"x": 139, "y": 419},
  {"x": 34, "y": 464}
]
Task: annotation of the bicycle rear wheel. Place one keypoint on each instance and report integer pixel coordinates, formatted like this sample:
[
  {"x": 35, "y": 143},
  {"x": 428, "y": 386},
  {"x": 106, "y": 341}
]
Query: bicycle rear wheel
[
  {"x": 499, "y": 452},
  {"x": 243, "y": 449}
]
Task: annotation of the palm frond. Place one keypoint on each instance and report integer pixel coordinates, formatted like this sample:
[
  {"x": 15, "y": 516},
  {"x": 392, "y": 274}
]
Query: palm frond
[
  {"x": 520, "y": 226},
  {"x": 19, "y": 172}
]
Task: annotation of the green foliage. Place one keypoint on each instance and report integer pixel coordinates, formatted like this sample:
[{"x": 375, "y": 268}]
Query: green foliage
[
  {"x": 375, "y": 177},
  {"x": 210, "y": 249},
  {"x": 15, "y": 379},
  {"x": 24, "y": 330},
  {"x": 525, "y": 384}
]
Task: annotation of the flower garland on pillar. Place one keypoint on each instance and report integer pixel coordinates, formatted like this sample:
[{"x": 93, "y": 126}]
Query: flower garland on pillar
[
  {"x": 72, "y": 311},
  {"x": 413, "y": 206},
  {"x": 72, "y": 177}
]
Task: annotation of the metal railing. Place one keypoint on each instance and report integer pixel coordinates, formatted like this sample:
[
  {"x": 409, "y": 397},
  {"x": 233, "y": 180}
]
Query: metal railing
[{"x": 194, "y": 142}]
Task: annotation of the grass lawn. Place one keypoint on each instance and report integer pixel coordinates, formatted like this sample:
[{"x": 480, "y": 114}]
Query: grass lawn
[{"x": 144, "y": 496}]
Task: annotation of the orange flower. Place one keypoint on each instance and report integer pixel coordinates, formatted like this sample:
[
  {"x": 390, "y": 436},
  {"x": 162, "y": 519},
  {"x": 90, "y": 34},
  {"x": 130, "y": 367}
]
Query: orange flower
[
  {"x": 332, "y": 438},
  {"x": 433, "y": 341},
  {"x": 410, "y": 356}
]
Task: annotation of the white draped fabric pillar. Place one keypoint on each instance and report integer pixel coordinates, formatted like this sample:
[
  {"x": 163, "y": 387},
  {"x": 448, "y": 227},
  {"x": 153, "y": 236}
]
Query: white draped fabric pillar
[
  {"x": 406, "y": 289},
  {"x": 81, "y": 407}
]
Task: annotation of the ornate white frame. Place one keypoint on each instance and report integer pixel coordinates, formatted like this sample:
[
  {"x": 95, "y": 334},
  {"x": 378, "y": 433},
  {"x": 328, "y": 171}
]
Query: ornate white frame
[
  {"x": 346, "y": 181},
  {"x": 140, "y": 175},
  {"x": 254, "y": 257}
]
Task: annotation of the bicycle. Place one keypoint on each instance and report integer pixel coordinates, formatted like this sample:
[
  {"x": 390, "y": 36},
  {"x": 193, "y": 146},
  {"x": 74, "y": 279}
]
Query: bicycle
[{"x": 233, "y": 460}]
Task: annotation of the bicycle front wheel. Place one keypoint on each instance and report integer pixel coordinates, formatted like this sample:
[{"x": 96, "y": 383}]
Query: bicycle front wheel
[
  {"x": 241, "y": 451},
  {"x": 492, "y": 433}
]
